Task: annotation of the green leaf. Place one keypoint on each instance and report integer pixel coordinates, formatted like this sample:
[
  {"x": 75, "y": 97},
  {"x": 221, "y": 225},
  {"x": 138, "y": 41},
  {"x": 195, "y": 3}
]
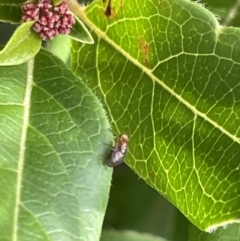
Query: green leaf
[
  {"x": 109, "y": 235},
  {"x": 54, "y": 138},
  {"x": 80, "y": 33},
  {"x": 23, "y": 46},
  {"x": 168, "y": 74}
]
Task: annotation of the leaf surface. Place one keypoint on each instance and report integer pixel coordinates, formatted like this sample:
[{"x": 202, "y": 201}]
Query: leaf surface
[
  {"x": 54, "y": 138},
  {"x": 23, "y": 46},
  {"x": 80, "y": 33},
  {"x": 168, "y": 75}
]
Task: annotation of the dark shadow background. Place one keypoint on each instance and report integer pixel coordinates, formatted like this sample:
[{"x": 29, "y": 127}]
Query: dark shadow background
[{"x": 133, "y": 205}]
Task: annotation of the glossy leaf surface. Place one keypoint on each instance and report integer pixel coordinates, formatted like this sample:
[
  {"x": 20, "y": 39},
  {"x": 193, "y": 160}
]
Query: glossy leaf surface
[{"x": 168, "y": 75}]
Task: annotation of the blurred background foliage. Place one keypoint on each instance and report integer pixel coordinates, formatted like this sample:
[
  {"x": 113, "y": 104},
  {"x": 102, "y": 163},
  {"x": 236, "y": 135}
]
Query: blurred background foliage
[{"x": 133, "y": 205}]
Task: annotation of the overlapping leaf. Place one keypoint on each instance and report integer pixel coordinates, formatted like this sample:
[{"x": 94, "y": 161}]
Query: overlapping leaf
[
  {"x": 23, "y": 46},
  {"x": 54, "y": 137},
  {"x": 168, "y": 75}
]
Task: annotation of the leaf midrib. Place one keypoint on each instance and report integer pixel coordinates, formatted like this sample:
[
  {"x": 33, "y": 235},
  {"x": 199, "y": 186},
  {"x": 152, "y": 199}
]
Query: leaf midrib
[{"x": 26, "y": 104}]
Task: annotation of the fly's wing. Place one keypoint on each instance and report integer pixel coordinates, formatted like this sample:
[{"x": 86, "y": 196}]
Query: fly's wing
[{"x": 116, "y": 157}]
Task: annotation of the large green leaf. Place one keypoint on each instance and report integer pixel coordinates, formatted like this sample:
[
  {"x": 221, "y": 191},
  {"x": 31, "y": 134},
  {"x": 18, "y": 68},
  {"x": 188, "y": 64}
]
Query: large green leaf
[
  {"x": 168, "y": 75},
  {"x": 54, "y": 137}
]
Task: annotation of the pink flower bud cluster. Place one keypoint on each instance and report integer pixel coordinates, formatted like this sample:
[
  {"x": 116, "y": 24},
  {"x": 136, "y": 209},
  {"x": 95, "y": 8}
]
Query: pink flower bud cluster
[{"x": 49, "y": 20}]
